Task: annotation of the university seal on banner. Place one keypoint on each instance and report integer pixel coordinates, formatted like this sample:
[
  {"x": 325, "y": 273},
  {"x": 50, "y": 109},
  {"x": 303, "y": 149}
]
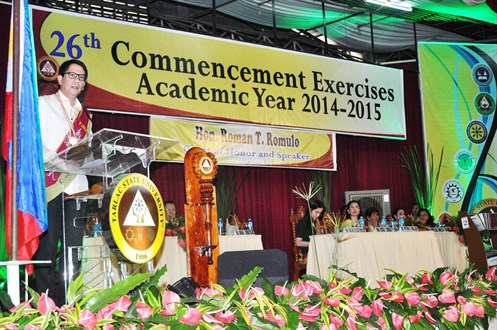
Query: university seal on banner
[
  {"x": 488, "y": 205},
  {"x": 137, "y": 218},
  {"x": 48, "y": 68}
]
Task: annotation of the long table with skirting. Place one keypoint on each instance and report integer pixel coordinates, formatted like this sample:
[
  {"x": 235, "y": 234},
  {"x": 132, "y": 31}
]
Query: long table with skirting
[
  {"x": 371, "y": 254},
  {"x": 101, "y": 268}
]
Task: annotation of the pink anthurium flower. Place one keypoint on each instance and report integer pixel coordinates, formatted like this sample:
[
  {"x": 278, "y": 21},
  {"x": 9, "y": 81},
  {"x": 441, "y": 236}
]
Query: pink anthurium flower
[
  {"x": 378, "y": 307},
  {"x": 351, "y": 322},
  {"x": 46, "y": 304},
  {"x": 281, "y": 290},
  {"x": 385, "y": 285},
  {"x": 278, "y": 319},
  {"x": 412, "y": 298},
  {"x": 398, "y": 320},
  {"x": 310, "y": 313},
  {"x": 122, "y": 304},
  {"x": 209, "y": 292},
  {"x": 226, "y": 317},
  {"x": 333, "y": 302},
  {"x": 33, "y": 327},
  {"x": 492, "y": 302},
  {"x": 192, "y": 317},
  {"x": 108, "y": 327},
  {"x": 451, "y": 314},
  {"x": 491, "y": 274},
  {"x": 397, "y": 297},
  {"x": 169, "y": 301},
  {"x": 144, "y": 311},
  {"x": 357, "y": 293},
  {"x": 336, "y": 321},
  {"x": 105, "y": 313},
  {"x": 415, "y": 318},
  {"x": 209, "y": 318},
  {"x": 447, "y": 297},
  {"x": 87, "y": 319}
]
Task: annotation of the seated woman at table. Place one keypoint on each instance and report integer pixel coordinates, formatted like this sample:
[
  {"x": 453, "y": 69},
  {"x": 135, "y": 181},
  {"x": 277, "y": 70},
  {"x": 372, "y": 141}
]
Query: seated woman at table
[
  {"x": 425, "y": 219},
  {"x": 398, "y": 213},
  {"x": 372, "y": 218},
  {"x": 353, "y": 212},
  {"x": 307, "y": 225}
]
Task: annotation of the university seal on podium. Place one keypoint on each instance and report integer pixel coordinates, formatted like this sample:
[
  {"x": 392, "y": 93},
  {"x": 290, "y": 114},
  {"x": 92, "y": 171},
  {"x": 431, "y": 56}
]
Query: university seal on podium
[{"x": 137, "y": 218}]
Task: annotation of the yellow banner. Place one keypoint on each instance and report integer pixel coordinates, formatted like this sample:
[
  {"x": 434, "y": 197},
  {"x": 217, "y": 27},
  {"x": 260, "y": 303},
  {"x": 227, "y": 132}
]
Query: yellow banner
[
  {"x": 136, "y": 68},
  {"x": 245, "y": 145}
]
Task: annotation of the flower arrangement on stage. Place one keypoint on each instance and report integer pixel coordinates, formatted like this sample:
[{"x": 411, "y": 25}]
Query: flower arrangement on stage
[
  {"x": 176, "y": 227},
  {"x": 442, "y": 299}
]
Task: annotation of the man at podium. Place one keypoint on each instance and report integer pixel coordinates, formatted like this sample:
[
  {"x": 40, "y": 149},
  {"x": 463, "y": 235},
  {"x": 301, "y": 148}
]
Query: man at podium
[{"x": 63, "y": 123}]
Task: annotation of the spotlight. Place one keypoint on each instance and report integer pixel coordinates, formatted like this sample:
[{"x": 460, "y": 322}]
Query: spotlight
[{"x": 401, "y": 5}]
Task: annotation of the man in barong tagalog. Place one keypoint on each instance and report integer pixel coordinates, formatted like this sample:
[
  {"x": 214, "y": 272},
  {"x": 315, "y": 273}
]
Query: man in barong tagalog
[{"x": 63, "y": 123}]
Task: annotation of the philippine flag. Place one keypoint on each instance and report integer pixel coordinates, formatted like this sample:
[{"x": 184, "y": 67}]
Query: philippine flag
[{"x": 30, "y": 190}]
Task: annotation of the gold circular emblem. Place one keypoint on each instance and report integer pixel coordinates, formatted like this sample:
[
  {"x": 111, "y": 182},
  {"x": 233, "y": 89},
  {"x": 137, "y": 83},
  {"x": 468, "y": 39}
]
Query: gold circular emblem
[
  {"x": 488, "y": 205},
  {"x": 48, "y": 68},
  {"x": 205, "y": 165},
  {"x": 137, "y": 218}
]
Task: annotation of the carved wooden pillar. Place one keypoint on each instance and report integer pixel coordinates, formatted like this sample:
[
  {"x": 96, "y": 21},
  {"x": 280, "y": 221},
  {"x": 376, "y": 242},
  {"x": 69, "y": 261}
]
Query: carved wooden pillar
[{"x": 201, "y": 216}]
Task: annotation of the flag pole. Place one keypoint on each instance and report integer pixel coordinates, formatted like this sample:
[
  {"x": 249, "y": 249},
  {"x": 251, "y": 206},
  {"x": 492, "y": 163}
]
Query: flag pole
[
  {"x": 13, "y": 267},
  {"x": 15, "y": 126}
]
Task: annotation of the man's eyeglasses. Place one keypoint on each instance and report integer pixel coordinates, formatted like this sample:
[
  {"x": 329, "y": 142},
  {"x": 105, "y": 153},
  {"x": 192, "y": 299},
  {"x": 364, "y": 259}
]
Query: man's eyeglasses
[{"x": 73, "y": 75}]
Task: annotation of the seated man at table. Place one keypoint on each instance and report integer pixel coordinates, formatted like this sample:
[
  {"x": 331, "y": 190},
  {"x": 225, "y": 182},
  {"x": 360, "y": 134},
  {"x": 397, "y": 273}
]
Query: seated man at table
[
  {"x": 307, "y": 225},
  {"x": 170, "y": 210}
]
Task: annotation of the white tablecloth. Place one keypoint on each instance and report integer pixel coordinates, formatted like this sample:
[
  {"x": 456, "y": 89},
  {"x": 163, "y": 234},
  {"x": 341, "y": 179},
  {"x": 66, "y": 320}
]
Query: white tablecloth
[
  {"x": 101, "y": 269},
  {"x": 371, "y": 254},
  {"x": 174, "y": 256}
]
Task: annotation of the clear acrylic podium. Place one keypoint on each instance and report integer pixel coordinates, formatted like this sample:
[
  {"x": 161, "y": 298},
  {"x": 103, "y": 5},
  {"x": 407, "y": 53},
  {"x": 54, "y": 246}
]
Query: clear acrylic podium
[{"x": 108, "y": 154}]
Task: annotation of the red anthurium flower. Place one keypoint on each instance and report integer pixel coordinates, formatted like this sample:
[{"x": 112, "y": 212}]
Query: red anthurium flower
[
  {"x": 475, "y": 289},
  {"x": 144, "y": 311},
  {"x": 181, "y": 229},
  {"x": 447, "y": 297},
  {"x": 397, "y": 297},
  {"x": 345, "y": 290},
  {"x": 397, "y": 320},
  {"x": 461, "y": 300},
  {"x": 412, "y": 298},
  {"x": 415, "y": 318},
  {"x": 281, "y": 290},
  {"x": 169, "y": 301},
  {"x": 460, "y": 239},
  {"x": 426, "y": 279},
  {"x": 451, "y": 314},
  {"x": 471, "y": 309},
  {"x": 226, "y": 317},
  {"x": 430, "y": 301},
  {"x": 384, "y": 284},
  {"x": 385, "y": 295},
  {"x": 46, "y": 304},
  {"x": 492, "y": 302},
  {"x": 491, "y": 274},
  {"x": 357, "y": 293},
  {"x": 378, "y": 307},
  {"x": 192, "y": 317}
]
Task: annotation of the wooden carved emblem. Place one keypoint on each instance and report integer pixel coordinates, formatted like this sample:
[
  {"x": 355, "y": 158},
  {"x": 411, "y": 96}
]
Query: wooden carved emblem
[{"x": 200, "y": 213}]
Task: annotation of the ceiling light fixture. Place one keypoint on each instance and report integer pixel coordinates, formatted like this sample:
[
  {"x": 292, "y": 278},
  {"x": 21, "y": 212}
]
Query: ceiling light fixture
[{"x": 401, "y": 5}]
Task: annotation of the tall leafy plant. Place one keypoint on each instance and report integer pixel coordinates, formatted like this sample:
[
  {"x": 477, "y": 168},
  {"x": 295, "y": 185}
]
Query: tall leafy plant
[
  {"x": 323, "y": 179},
  {"x": 229, "y": 181},
  {"x": 424, "y": 178}
]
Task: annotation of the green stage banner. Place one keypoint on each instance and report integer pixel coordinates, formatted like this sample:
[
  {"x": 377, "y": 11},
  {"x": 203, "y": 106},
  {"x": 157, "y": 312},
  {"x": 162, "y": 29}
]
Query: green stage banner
[
  {"x": 459, "y": 91},
  {"x": 143, "y": 69},
  {"x": 246, "y": 145}
]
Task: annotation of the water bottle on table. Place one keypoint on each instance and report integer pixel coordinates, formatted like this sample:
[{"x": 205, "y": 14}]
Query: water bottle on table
[
  {"x": 250, "y": 225},
  {"x": 220, "y": 226}
]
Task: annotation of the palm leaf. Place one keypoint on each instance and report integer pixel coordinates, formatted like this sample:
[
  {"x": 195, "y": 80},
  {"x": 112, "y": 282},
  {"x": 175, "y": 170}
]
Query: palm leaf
[{"x": 109, "y": 295}]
